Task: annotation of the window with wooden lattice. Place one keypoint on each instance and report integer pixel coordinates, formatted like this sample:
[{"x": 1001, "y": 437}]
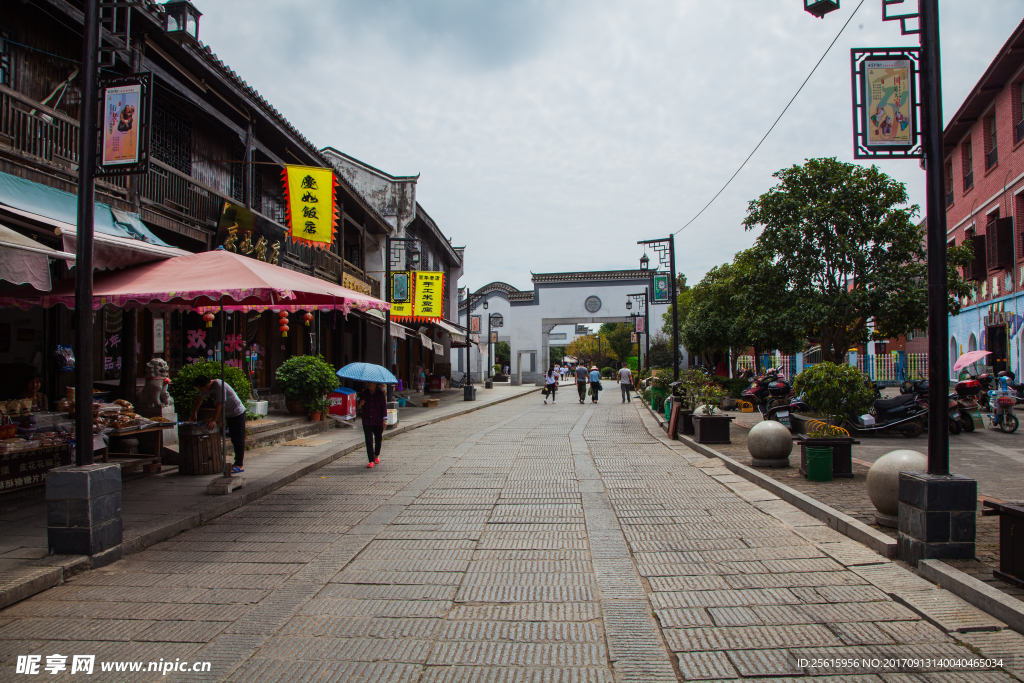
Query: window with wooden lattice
[
  {"x": 5, "y": 60},
  {"x": 172, "y": 138},
  {"x": 238, "y": 173}
]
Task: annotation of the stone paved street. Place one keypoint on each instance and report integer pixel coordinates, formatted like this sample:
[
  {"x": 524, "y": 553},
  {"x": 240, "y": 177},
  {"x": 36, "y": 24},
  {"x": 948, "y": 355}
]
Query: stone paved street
[{"x": 523, "y": 542}]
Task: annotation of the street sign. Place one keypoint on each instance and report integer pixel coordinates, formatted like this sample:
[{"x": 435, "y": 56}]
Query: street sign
[
  {"x": 886, "y": 103},
  {"x": 661, "y": 295}
]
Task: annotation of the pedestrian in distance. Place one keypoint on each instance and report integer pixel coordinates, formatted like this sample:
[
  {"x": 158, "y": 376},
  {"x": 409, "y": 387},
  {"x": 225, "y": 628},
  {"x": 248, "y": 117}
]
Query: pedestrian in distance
[
  {"x": 374, "y": 405},
  {"x": 582, "y": 377},
  {"x": 595, "y": 383},
  {"x": 550, "y": 384},
  {"x": 227, "y": 400},
  {"x": 625, "y": 382}
]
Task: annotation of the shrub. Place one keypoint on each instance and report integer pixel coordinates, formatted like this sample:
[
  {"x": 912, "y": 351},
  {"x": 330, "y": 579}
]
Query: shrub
[
  {"x": 184, "y": 393},
  {"x": 607, "y": 373},
  {"x": 710, "y": 396},
  {"x": 306, "y": 378},
  {"x": 834, "y": 392},
  {"x": 734, "y": 387}
]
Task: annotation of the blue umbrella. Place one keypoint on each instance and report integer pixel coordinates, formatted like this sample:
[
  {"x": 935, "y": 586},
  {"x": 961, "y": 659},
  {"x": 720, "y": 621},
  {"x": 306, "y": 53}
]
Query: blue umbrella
[{"x": 367, "y": 372}]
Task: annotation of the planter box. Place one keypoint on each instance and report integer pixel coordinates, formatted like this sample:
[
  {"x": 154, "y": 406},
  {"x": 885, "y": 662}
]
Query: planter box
[
  {"x": 686, "y": 420},
  {"x": 842, "y": 454},
  {"x": 712, "y": 428}
]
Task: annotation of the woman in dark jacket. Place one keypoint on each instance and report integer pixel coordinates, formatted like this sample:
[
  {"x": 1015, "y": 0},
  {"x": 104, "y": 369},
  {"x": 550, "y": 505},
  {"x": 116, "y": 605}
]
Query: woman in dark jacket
[{"x": 374, "y": 405}]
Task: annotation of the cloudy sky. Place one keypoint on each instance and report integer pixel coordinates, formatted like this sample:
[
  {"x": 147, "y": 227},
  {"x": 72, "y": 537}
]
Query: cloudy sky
[{"x": 551, "y": 135}]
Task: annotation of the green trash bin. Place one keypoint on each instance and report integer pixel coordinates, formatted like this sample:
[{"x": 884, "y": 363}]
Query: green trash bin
[
  {"x": 657, "y": 396},
  {"x": 668, "y": 407},
  {"x": 819, "y": 463}
]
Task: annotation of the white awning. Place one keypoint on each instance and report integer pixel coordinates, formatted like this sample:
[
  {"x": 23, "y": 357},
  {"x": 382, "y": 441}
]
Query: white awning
[
  {"x": 438, "y": 349},
  {"x": 458, "y": 335},
  {"x": 119, "y": 252},
  {"x": 23, "y": 261},
  {"x": 397, "y": 331},
  {"x": 425, "y": 340}
]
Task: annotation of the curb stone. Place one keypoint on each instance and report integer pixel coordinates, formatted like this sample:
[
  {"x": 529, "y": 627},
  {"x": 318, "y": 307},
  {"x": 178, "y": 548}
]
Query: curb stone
[
  {"x": 39, "y": 578},
  {"x": 978, "y": 593}
]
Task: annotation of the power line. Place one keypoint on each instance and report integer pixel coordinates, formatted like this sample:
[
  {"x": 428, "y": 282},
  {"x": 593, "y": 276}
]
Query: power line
[{"x": 776, "y": 121}]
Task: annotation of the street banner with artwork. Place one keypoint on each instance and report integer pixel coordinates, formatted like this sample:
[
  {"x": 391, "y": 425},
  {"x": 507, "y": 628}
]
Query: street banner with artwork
[
  {"x": 888, "y": 97},
  {"x": 122, "y": 108},
  {"x": 639, "y": 324},
  {"x": 661, "y": 295},
  {"x": 401, "y": 296},
  {"x": 309, "y": 199}
]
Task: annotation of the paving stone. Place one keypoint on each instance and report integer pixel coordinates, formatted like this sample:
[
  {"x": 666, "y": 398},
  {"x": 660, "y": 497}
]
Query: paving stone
[
  {"x": 528, "y": 612},
  {"x": 688, "y": 583},
  {"x": 489, "y": 674},
  {"x": 863, "y": 633},
  {"x": 330, "y": 671},
  {"x": 681, "y": 618},
  {"x": 388, "y": 592},
  {"x": 181, "y": 631},
  {"x": 700, "y": 666},
  {"x": 525, "y": 594},
  {"x": 764, "y": 662},
  {"x": 517, "y": 654},
  {"x": 724, "y": 598},
  {"x": 913, "y": 632},
  {"x": 748, "y": 638},
  {"x": 532, "y": 632},
  {"x": 74, "y": 629},
  {"x": 1006, "y": 645},
  {"x": 734, "y": 616},
  {"x": 947, "y": 611}
]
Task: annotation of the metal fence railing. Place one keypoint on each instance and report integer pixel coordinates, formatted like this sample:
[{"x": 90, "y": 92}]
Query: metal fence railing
[{"x": 893, "y": 368}]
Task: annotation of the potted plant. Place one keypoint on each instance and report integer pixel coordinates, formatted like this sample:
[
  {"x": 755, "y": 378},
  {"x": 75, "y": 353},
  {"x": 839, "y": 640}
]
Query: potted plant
[
  {"x": 182, "y": 389},
  {"x": 833, "y": 392},
  {"x": 304, "y": 379},
  {"x": 318, "y": 408},
  {"x": 709, "y": 425},
  {"x": 691, "y": 381}
]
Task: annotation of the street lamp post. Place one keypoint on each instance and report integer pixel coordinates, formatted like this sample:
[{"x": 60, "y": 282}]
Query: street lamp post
[
  {"x": 936, "y": 498},
  {"x": 666, "y": 250},
  {"x": 641, "y": 299},
  {"x": 469, "y": 330},
  {"x": 496, "y": 320},
  {"x": 393, "y": 249}
]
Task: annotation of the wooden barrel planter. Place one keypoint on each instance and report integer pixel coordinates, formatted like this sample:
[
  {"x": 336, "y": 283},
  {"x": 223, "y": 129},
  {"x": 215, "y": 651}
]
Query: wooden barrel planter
[{"x": 200, "y": 450}]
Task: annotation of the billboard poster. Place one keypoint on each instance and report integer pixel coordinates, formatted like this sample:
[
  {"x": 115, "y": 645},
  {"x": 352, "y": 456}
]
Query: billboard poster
[
  {"x": 661, "y": 295},
  {"x": 400, "y": 287},
  {"x": 122, "y": 111},
  {"x": 474, "y": 325},
  {"x": 429, "y": 295},
  {"x": 494, "y": 336},
  {"x": 889, "y": 107}
]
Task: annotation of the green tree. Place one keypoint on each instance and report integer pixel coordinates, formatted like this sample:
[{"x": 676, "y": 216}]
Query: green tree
[
  {"x": 710, "y": 325},
  {"x": 844, "y": 243},
  {"x": 758, "y": 293},
  {"x": 555, "y": 354},
  {"x": 620, "y": 340},
  {"x": 503, "y": 354},
  {"x": 684, "y": 300},
  {"x": 660, "y": 355}
]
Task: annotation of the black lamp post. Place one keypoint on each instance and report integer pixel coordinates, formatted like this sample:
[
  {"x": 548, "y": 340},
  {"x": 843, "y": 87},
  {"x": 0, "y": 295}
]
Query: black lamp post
[
  {"x": 641, "y": 299},
  {"x": 394, "y": 247},
  {"x": 493, "y": 320},
  {"x": 469, "y": 330},
  {"x": 666, "y": 249},
  {"x": 940, "y": 506}
]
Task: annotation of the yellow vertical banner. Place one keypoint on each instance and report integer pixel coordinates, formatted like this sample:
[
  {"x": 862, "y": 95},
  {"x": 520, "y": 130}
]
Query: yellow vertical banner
[
  {"x": 309, "y": 199},
  {"x": 429, "y": 295}
]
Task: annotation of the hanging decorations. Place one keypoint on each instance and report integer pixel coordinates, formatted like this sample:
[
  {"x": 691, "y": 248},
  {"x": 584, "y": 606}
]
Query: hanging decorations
[
  {"x": 307, "y": 318},
  {"x": 402, "y": 287},
  {"x": 283, "y": 321},
  {"x": 429, "y": 295},
  {"x": 309, "y": 200},
  {"x": 208, "y": 317}
]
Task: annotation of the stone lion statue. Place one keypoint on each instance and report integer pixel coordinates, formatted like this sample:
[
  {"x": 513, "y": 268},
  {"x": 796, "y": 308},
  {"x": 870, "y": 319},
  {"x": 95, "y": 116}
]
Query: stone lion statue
[{"x": 154, "y": 393}]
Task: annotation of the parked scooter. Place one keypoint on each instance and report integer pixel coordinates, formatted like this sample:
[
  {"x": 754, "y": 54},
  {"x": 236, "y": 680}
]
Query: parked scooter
[
  {"x": 767, "y": 391},
  {"x": 1002, "y": 400},
  {"x": 1017, "y": 388},
  {"x": 966, "y": 395},
  {"x": 919, "y": 389},
  {"x": 904, "y": 414},
  {"x": 780, "y": 411}
]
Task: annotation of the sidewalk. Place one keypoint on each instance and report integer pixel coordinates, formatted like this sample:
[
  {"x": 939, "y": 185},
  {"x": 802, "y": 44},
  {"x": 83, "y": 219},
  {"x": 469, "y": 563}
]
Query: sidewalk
[{"x": 157, "y": 507}]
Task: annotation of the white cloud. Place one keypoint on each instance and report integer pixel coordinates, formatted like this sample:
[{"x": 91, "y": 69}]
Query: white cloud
[{"x": 552, "y": 135}]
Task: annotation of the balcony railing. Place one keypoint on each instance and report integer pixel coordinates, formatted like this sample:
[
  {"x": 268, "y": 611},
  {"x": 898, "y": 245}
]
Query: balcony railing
[
  {"x": 37, "y": 130},
  {"x": 327, "y": 266},
  {"x": 169, "y": 188},
  {"x": 991, "y": 158}
]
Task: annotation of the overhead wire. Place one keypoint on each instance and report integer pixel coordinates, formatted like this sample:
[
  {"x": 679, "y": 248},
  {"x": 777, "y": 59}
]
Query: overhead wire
[{"x": 791, "y": 100}]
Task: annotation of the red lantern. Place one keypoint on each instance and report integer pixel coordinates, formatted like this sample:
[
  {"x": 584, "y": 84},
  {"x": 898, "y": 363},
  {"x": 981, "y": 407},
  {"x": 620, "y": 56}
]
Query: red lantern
[
  {"x": 282, "y": 314},
  {"x": 284, "y": 330},
  {"x": 208, "y": 317},
  {"x": 308, "y": 317}
]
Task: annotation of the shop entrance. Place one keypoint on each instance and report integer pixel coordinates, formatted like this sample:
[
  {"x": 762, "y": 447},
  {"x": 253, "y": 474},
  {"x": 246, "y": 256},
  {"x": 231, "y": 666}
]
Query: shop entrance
[{"x": 999, "y": 346}]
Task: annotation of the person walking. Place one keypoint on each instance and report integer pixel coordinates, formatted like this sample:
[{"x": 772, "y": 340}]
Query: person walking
[
  {"x": 374, "y": 405},
  {"x": 550, "y": 384},
  {"x": 581, "y": 382},
  {"x": 227, "y": 400},
  {"x": 625, "y": 382},
  {"x": 595, "y": 383}
]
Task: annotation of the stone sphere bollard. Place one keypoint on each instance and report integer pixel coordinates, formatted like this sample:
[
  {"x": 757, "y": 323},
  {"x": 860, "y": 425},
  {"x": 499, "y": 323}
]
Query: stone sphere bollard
[
  {"x": 884, "y": 482},
  {"x": 770, "y": 443}
]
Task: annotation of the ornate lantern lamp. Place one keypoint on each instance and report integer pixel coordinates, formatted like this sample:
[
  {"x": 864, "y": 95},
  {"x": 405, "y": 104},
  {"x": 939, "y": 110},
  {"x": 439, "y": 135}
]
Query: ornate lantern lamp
[
  {"x": 208, "y": 317},
  {"x": 307, "y": 318},
  {"x": 644, "y": 262},
  {"x": 282, "y": 318},
  {"x": 820, "y": 8},
  {"x": 181, "y": 21}
]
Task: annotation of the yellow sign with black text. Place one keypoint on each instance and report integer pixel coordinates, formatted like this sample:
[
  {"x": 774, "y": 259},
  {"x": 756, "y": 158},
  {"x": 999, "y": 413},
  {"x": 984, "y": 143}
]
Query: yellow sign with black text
[{"x": 309, "y": 199}]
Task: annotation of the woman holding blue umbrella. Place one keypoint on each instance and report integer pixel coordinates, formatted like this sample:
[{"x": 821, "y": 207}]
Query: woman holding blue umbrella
[{"x": 373, "y": 403}]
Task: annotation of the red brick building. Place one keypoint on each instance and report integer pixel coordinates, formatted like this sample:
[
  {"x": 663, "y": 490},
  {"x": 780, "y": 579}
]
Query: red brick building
[{"x": 984, "y": 158}]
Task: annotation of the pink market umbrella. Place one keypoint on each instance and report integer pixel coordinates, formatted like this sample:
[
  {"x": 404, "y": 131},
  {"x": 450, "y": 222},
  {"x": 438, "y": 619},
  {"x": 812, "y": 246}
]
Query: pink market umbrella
[{"x": 969, "y": 358}]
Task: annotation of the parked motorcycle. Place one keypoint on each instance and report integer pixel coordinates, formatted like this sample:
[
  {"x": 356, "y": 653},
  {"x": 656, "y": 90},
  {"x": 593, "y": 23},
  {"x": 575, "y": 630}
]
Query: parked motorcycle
[
  {"x": 966, "y": 393},
  {"x": 985, "y": 380},
  {"x": 767, "y": 391},
  {"x": 904, "y": 413},
  {"x": 1017, "y": 388},
  {"x": 1002, "y": 400},
  {"x": 780, "y": 411}
]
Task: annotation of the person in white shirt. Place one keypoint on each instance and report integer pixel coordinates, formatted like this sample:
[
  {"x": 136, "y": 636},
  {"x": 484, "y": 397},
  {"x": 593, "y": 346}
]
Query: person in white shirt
[
  {"x": 625, "y": 382},
  {"x": 550, "y": 384}
]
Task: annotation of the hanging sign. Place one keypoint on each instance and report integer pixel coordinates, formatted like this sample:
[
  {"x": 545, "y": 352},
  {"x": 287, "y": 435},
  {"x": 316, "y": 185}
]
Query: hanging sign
[
  {"x": 125, "y": 125},
  {"x": 660, "y": 288},
  {"x": 886, "y": 107},
  {"x": 241, "y": 231},
  {"x": 639, "y": 324},
  {"x": 494, "y": 336},
  {"x": 474, "y": 325},
  {"x": 632, "y": 338},
  {"x": 429, "y": 295},
  {"x": 401, "y": 310},
  {"x": 309, "y": 199}
]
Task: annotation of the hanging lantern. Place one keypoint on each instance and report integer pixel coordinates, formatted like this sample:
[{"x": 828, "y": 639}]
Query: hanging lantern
[
  {"x": 282, "y": 314},
  {"x": 208, "y": 317},
  {"x": 308, "y": 318},
  {"x": 284, "y": 330}
]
